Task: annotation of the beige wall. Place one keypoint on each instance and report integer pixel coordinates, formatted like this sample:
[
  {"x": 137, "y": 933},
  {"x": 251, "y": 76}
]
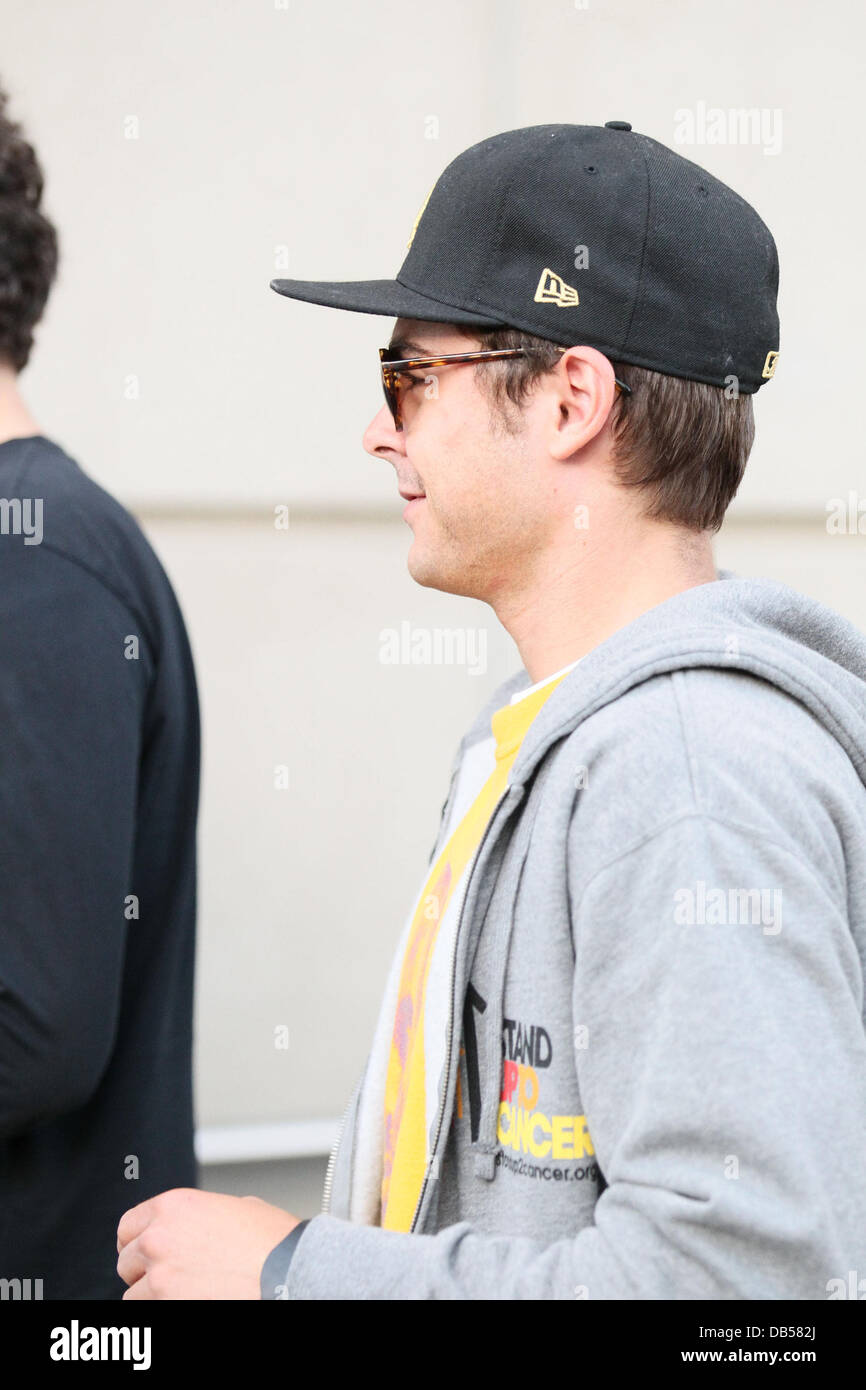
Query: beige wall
[{"x": 195, "y": 149}]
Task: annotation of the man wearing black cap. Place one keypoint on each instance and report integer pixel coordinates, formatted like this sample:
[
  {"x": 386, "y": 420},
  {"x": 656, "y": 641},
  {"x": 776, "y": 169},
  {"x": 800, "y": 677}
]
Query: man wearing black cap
[{"x": 621, "y": 1048}]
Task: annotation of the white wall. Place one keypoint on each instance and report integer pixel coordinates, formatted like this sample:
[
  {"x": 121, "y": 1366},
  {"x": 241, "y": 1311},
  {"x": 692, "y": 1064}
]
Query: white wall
[{"x": 294, "y": 140}]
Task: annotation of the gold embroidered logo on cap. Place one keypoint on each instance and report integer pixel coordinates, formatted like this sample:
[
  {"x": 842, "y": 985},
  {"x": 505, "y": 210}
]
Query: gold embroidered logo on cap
[
  {"x": 418, "y": 219},
  {"x": 552, "y": 289},
  {"x": 770, "y": 365}
]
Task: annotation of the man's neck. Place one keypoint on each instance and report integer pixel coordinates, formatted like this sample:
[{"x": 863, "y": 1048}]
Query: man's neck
[
  {"x": 16, "y": 422},
  {"x": 575, "y": 604}
]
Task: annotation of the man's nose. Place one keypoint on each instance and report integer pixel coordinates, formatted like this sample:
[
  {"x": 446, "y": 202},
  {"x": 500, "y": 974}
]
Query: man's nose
[{"x": 381, "y": 438}]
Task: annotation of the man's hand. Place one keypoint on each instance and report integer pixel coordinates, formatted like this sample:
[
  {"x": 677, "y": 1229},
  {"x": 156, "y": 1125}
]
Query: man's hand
[{"x": 190, "y": 1244}]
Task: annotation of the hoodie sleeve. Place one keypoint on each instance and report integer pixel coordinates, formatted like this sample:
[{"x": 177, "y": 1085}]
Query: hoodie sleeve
[{"x": 722, "y": 1062}]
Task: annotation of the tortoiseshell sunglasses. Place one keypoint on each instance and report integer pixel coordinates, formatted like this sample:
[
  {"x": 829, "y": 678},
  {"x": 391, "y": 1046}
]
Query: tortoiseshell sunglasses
[{"x": 394, "y": 367}]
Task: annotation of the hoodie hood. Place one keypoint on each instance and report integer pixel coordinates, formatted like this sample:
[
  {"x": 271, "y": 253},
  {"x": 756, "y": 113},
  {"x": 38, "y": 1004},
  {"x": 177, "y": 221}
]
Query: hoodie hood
[{"x": 753, "y": 625}]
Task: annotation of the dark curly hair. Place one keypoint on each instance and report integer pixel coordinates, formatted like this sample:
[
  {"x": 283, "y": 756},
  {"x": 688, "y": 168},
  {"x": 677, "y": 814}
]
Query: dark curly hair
[{"x": 28, "y": 243}]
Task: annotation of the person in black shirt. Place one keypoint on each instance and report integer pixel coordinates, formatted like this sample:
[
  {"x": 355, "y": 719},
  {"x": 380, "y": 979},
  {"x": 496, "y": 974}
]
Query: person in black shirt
[{"x": 99, "y": 784}]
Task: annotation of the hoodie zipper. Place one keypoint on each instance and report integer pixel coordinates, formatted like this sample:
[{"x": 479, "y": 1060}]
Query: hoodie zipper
[
  {"x": 329, "y": 1173},
  {"x": 447, "y": 1071}
]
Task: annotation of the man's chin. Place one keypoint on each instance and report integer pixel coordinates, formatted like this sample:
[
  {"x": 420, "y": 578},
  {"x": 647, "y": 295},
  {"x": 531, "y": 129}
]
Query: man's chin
[
  {"x": 421, "y": 570},
  {"x": 425, "y": 572}
]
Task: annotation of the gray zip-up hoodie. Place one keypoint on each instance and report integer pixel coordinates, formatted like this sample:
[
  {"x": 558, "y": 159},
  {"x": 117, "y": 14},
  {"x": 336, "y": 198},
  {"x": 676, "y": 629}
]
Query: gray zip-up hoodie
[{"x": 655, "y": 1072}]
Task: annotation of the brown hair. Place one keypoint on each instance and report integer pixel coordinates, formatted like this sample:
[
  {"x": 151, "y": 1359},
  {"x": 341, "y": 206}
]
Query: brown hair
[
  {"x": 28, "y": 243},
  {"x": 683, "y": 442}
]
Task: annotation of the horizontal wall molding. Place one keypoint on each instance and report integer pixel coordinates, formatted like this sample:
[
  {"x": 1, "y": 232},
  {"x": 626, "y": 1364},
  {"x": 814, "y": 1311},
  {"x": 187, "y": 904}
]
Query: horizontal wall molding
[
  {"x": 256, "y": 1143},
  {"x": 325, "y": 514}
]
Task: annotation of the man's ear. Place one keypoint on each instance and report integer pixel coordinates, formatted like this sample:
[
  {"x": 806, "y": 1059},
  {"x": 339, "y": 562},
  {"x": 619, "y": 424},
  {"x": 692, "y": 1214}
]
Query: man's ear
[{"x": 581, "y": 393}]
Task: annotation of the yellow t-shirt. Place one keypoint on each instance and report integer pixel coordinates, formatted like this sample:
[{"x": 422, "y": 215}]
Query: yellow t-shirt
[{"x": 405, "y": 1128}]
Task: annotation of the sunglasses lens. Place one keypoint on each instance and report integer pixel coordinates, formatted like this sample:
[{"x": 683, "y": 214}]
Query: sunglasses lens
[{"x": 389, "y": 385}]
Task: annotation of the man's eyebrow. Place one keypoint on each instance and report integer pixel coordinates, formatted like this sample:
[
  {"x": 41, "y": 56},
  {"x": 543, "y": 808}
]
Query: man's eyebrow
[{"x": 407, "y": 348}]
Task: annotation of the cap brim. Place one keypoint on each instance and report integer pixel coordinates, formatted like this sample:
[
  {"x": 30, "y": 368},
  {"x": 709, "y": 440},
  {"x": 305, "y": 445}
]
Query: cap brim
[{"x": 380, "y": 297}]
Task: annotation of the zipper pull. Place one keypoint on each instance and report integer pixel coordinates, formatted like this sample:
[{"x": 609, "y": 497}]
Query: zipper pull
[{"x": 485, "y": 1163}]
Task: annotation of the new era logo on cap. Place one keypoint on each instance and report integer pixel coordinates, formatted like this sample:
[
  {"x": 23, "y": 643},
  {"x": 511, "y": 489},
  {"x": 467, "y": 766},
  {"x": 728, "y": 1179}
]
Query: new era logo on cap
[
  {"x": 770, "y": 365},
  {"x": 418, "y": 219},
  {"x": 551, "y": 289}
]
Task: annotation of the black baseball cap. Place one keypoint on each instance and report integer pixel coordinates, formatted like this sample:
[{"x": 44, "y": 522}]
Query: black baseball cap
[{"x": 591, "y": 235}]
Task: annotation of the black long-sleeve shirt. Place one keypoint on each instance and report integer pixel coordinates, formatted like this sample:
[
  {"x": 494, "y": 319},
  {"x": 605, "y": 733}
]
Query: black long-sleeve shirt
[{"x": 99, "y": 777}]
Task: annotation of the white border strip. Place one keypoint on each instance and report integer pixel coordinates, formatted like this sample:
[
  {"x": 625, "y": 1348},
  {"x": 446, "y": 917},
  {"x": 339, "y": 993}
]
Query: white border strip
[{"x": 256, "y": 1143}]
